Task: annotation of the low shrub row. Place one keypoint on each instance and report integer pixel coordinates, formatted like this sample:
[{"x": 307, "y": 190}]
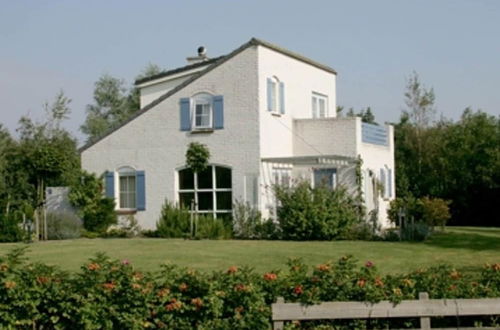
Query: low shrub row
[{"x": 111, "y": 294}]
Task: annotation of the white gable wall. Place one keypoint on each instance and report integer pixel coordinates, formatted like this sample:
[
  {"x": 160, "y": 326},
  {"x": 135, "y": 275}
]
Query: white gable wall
[
  {"x": 154, "y": 143},
  {"x": 300, "y": 80}
]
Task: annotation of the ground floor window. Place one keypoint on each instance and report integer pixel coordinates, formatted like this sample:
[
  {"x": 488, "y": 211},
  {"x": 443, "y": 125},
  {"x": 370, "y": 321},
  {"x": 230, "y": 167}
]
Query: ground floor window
[
  {"x": 127, "y": 188},
  {"x": 326, "y": 177},
  {"x": 208, "y": 192}
]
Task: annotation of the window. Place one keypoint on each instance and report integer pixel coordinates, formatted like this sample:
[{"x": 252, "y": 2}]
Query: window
[
  {"x": 385, "y": 179},
  {"x": 275, "y": 95},
  {"x": 127, "y": 188},
  {"x": 202, "y": 111},
  {"x": 319, "y": 105},
  {"x": 209, "y": 191},
  {"x": 326, "y": 177}
]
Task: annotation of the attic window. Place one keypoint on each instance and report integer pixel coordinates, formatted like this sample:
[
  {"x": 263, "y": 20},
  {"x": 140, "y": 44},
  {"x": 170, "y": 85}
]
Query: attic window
[{"x": 203, "y": 114}]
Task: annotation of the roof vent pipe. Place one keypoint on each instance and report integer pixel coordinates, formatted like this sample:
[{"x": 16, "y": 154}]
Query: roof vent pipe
[{"x": 202, "y": 56}]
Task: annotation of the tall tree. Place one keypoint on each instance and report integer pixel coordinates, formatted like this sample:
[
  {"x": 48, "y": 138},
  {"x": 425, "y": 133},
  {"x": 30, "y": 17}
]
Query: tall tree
[{"x": 113, "y": 103}]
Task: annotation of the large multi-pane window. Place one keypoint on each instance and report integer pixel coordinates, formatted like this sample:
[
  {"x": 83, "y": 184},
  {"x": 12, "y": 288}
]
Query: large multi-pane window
[
  {"x": 208, "y": 192},
  {"x": 127, "y": 188}
]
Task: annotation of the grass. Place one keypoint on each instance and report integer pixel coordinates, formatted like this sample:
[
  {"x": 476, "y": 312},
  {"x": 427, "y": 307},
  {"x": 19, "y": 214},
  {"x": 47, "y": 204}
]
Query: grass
[{"x": 466, "y": 248}]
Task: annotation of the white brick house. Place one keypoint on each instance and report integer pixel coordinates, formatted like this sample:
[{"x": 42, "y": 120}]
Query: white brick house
[{"x": 266, "y": 115}]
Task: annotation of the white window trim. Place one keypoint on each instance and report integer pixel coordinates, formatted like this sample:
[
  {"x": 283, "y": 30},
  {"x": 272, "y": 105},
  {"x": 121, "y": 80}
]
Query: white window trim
[
  {"x": 123, "y": 171},
  {"x": 275, "y": 106},
  {"x": 315, "y": 112},
  {"x": 202, "y": 99}
]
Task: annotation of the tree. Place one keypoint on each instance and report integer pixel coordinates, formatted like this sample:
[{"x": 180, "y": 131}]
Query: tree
[
  {"x": 113, "y": 104},
  {"x": 366, "y": 115}
]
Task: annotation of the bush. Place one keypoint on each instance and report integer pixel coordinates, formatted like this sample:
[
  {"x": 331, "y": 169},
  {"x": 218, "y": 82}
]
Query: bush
[
  {"x": 360, "y": 231},
  {"x": 97, "y": 212},
  {"x": 246, "y": 220},
  {"x": 435, "y": 211},
  {"x": 209, "y": 228},
  {"x": 111, "y": 294},
  {"x": 174, "y": 222},
  {"x": 269, "y": 229},
  {"x": 306, "y": 213},
  {"x": 63, "y": 225},
  {"x": 10, "y": 230}
]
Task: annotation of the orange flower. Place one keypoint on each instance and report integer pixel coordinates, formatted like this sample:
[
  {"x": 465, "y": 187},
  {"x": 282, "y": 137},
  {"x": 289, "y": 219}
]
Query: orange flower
[
  {"x": 232, "y": 269},
  {"x": 239, "y": 309},
  {"x": 136, "y": 286},
  {"x": 323, "y": 268},
  {"x": 137, "y": 276},
  {"x": 42, "y": 279},
  {"x": 496, "y": 267},
  {"x": 298, "y": 290},
  {"x": 183, "y": 287},
  {"x": 361, "y": 283},
  {"x": 379, "y": 283},
  {"x": 197, "y": 302},
  {"x": 163, "y": 292},
  {"x": 93, "y": 266},
  {"x": 10, "y": 284},
  {"x": 174, "y": 305},
  {"x": 452, "y": 287},
  {"x": 4, "y": 267},
  {"x": 110, "y": 286},
  {"x": 240, "y": 287},
  {"x": 270, "y": 276}
]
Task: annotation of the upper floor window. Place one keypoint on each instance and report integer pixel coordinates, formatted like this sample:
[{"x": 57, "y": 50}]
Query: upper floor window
[
  {"x": 202, "y": 112},
  {"x": 319, "y": 105},
  {"x": 275, "y": 95}
]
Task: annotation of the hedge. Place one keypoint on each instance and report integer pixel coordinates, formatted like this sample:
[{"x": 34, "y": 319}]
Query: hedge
[{"x": 112, "y": 294}]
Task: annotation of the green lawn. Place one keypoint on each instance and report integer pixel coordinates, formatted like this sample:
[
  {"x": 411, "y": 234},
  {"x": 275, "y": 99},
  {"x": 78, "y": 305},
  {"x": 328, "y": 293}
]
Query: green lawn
[{"x": 466, "y": 248}]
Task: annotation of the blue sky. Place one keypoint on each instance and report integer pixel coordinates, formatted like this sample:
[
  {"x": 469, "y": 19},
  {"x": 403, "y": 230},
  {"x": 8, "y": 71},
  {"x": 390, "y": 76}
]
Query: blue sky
[{"x": 454, "y": 45}]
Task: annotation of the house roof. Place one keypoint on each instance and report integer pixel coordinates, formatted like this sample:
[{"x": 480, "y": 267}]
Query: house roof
[
  {"x": 212, "y": 64},
  {"x": 164, "y": 74}
]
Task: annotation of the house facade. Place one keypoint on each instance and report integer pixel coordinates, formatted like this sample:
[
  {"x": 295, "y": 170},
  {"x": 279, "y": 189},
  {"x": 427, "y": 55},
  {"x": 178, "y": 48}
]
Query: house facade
[{"x": 266, "y": 114}]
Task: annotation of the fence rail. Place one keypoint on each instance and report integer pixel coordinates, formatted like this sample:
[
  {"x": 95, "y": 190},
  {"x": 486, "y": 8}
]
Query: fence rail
[{"x": 424, "y": 308}]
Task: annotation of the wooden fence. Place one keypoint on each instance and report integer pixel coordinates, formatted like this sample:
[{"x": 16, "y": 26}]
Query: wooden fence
[{"x": 424, "y": 308}]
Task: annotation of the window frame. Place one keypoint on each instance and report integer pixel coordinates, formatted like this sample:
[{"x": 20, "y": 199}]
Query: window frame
[
  {"x": 334, "y": 177},
  {"x": 315, "y": 100},
  {"x": 203, "y": 99},
  {"x": 123, "y": 203},
  {"x": 275, "y": 96},
  {"x": 213, "y": 190}
]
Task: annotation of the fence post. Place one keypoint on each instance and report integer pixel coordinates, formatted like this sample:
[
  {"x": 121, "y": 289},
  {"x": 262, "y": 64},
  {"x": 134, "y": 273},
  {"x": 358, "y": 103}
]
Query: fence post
[
  {"x": 425, "y": 322},
  {"x": 278, "y": 325}
]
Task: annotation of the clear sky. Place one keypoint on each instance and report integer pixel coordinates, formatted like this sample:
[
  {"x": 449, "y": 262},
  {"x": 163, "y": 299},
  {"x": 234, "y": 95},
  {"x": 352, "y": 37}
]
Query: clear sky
[{"x": 454, "y": 45}]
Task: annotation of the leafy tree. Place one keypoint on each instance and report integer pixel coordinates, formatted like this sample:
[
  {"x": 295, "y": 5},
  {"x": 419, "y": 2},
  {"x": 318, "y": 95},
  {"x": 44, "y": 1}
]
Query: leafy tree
[
  {"x": 113, "y": 103},
  {"x": 366, "y": 115},
  {"x": 96, "y": 210}
]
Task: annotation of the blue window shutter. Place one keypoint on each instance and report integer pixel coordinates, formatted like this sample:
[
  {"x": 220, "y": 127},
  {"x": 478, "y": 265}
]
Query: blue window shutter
[
  {"x": 269, "y": 94},
  {"x": 389, "y": 183},
  {"x": 185, "y": 114},
  {"x": 218, "y": 112},
  {"x": 140, "y": 184},
  {"x": 282, "y": 97},
  {"x": 109, "y": 181}
]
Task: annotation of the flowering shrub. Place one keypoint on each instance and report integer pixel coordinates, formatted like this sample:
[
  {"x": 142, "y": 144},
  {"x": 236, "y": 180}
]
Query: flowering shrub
[{"x": 108, "y": 294}]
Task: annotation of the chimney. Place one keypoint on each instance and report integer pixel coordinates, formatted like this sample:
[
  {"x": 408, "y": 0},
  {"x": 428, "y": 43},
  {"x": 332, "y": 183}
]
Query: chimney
[{"x": 202, "y": 56}]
